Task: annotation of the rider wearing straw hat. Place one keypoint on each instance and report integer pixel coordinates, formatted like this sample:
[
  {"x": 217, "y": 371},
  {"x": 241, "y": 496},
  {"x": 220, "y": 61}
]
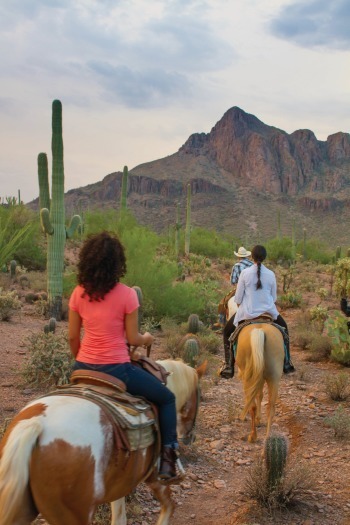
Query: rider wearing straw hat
[{"x": 243, "y": 255}]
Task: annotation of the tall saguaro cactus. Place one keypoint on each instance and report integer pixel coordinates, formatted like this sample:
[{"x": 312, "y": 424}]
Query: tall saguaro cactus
[
  {"x": 124, "y": 190},
  {"x": 52, "y": 213},
  {"x": 188, "y": 221}
]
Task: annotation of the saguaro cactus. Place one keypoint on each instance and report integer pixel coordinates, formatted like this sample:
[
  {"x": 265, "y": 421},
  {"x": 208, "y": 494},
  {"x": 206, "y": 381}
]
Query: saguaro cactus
[
  {"x": 52, "y": 214},
  {"x": 188, "y": 221},
  {"x": 124, "y": 190},
  {"x": 177, "y": 231}
]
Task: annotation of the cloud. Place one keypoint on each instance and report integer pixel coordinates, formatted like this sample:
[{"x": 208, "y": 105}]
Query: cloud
[
  {"x": 316, "y": 23},
  {"x": 141, "y": 88}
]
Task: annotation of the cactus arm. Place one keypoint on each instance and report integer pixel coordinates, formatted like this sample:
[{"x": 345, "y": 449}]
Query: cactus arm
[
  {"x": 43, "y": 176},
  {"x": 74, "y": 223},
  {"x": 45, "y": 221}
]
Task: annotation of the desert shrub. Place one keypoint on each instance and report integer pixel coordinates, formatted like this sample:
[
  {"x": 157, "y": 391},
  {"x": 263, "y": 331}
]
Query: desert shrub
[
  {"x": 318, "y": 313},
  {"x": 9, "y": 303},
  {"x": 337, "y": 386},
  {"x": 69, "y": 283},
  {"x": 320, "y": 347},
  {"x": 49, "y": 360},
  {"x": 315, "y": 251},
  {"x": 210, "y": 342},
  {"x": 340, "y": 423},
  {"x": 342, "y": 277},
  {"x": 279, "y": 250},
  {"x": 295, "y": 484},
  {"x": 337, "y": 330},
  {"x": 290, "y": 300},
  {"x": 318, "y": 316},
  {"x": 209, "y": 244}
]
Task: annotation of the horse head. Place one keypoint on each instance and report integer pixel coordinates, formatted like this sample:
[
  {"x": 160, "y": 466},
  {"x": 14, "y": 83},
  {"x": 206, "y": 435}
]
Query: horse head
[{"x": 187, "y": 416}]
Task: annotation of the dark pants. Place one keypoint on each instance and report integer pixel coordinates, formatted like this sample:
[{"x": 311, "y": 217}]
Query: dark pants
[
  {"x": 229, "y": 328},
  {"x": 141, "y": 383}
]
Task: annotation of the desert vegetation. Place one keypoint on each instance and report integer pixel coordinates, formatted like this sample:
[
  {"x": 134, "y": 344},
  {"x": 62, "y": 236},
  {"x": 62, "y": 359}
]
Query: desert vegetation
[{"x": 180, "y": 293}]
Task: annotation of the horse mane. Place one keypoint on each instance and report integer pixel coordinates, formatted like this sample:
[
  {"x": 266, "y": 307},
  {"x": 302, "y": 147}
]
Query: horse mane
[{"x": 182, "y": 380}]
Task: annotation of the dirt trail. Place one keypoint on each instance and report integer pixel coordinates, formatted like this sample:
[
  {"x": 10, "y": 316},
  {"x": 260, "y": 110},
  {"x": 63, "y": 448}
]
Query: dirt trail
[{"x": 218, "y": 462}]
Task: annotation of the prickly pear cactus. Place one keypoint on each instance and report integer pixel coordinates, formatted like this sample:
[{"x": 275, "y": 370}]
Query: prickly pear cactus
[
  {"x": 52, "y": 214},
  {"x": 191, "y": 352},
  {"x": 275, "y": 453}
]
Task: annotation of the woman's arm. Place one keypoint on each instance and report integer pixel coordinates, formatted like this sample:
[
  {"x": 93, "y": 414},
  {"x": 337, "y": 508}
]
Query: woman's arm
[
  {"x": 240, "y": 290},
  {"x": 133, "y": 336},
  {"x": 74, "y": 327}
]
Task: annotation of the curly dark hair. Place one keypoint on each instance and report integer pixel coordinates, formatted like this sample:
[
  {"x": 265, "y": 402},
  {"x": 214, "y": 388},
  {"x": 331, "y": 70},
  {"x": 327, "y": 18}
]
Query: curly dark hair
[{"x": 101, "y": 264}]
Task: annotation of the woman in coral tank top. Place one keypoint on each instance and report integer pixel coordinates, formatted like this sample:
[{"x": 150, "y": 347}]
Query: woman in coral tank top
[{"x": 107, "y": 311}]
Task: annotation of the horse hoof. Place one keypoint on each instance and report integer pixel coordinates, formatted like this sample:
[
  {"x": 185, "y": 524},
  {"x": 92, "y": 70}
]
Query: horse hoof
[{"x": 251, "y": 438}]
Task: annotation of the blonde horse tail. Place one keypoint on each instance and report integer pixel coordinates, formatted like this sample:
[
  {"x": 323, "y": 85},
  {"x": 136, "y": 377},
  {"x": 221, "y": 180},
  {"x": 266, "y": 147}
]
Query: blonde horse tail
[
  {"x": 253, "y": 374},
  {"x": 14, "y": 466}
]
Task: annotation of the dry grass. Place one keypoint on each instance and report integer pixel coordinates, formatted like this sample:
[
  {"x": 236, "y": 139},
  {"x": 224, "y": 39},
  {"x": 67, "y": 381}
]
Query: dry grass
[
  {"x": 337, "y": 386},
  {"x": 294, "y": 485}
]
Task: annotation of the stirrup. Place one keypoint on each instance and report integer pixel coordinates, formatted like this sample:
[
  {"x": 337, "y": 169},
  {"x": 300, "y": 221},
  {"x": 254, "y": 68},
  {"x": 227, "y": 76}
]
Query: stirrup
[{"x": 226, "y": 371}]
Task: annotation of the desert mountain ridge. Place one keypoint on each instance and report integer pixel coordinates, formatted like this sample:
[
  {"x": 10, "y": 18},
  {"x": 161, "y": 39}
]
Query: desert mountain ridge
[{"x": 243, "y": 174}]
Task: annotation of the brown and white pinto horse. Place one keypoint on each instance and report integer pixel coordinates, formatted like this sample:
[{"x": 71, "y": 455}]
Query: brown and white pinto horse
[
  {"x": 260, "y": 356},
  {"x": 58, "y": 458}
]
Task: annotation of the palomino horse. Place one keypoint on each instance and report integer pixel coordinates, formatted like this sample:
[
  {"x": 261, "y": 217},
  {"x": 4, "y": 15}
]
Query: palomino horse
[
  {"x": 260, "y": 356},
  {"x": 59, "y": 458}
]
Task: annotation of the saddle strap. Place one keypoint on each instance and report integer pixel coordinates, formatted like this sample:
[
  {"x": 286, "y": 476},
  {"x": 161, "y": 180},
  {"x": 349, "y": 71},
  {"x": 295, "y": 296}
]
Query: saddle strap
[{"x": 153, "y": 368}]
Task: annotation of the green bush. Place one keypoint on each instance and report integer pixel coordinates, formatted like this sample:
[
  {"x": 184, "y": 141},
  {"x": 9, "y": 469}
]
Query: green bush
[
  {"x": 337, "y": 330},
  {"x": 210, "y": 244},
  {"x": 290, "y": 300},
  {"x": 279, "y": 250}
]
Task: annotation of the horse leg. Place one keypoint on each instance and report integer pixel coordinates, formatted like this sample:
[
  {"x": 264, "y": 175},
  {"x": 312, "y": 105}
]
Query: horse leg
[
  {"x": 253, "y": 436},
  {"x": 163, "y": 494},
  {"x": 273, "y": 393},
  {"x": 118, "y": 512},
  {"x": 259, "y": 399}
]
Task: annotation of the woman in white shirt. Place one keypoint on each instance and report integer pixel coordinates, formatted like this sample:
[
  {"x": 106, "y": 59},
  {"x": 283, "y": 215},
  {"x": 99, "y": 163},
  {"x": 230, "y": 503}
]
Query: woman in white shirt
[{"x": 256, "y": 294}]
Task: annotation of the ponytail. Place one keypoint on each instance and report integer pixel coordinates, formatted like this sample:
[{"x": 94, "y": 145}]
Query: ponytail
[{"x": 258, "y": 284}]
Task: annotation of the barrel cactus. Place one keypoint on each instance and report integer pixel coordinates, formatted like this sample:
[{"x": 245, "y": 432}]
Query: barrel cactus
[
  {"x": 194, "y": 324},
  {"x": 275, "y": 453},
  {"x": 52, "y": 213},
  {"x": 191, "y": 352},
  {"x": 51, "y": 326},
  {"x": 13, "y": 266}
]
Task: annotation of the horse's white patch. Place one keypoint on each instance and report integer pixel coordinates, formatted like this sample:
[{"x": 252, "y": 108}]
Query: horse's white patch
[{"x": 77, "y": 422}]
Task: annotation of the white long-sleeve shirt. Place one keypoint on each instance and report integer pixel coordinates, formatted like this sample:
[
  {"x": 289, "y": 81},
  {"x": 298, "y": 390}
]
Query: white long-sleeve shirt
[{"x": 253, "y": 302}]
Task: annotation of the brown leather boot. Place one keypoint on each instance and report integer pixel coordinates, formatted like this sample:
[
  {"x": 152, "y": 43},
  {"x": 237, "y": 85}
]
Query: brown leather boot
[{"x": 167, "y": 469}]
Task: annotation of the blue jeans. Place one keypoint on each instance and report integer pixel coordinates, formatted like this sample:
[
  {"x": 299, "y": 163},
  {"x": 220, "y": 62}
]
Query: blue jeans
[{"x": 141, "y": 383}]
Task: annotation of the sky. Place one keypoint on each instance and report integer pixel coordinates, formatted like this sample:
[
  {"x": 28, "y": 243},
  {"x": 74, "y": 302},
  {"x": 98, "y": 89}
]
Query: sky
[{"x": 137, "y": 77}]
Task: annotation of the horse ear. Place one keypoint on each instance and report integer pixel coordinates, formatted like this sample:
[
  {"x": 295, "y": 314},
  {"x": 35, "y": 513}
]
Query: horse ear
[{"x": 202, "y": 369}]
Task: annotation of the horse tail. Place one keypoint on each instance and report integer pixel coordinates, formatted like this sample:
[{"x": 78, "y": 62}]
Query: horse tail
[
  {"x": 14, "y": 466},
  {"x": 253, "y": 374}
]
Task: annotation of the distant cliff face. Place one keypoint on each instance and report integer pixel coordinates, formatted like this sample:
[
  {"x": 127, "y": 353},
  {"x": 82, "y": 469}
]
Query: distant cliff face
[
  {"x": 268, "y": 158},
  {"x": 242, "y": 168}
]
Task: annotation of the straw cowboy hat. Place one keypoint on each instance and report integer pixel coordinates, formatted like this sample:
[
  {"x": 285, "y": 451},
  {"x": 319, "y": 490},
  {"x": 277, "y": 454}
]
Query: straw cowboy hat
[{"x": 242, "y": 252}]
